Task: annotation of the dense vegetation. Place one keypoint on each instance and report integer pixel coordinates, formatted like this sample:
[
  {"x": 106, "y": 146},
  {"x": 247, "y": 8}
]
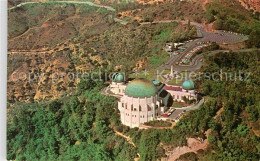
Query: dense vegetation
[
  {"x": 81, "y": 127},
  {"x": 235, "y": 132},
  {"x": 75, "y": 128}
]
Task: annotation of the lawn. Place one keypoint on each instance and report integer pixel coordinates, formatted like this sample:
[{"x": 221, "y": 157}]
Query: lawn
[
  {"x": 147, "y": 75},
  {"x": 176, "y": 104},
  {"x": 158, "y": 123},
  {"x": 157, "y": 60},
  {"x": 176, "y": 82}
]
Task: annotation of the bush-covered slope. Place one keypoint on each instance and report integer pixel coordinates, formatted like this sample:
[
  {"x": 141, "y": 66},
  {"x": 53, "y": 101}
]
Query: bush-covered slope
[
  {"x": 81, "y": 126},
  {"x": 231, "y": 16},
  {"x": 48, "y": 38}
]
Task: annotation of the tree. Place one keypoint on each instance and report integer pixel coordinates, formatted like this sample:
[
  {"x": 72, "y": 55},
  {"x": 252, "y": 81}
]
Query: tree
[{"x": 254, "y": 38}]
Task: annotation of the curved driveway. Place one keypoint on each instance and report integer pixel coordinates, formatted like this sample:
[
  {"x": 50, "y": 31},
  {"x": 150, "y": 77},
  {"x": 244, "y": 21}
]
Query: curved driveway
[{"x": 219, "y": 37}]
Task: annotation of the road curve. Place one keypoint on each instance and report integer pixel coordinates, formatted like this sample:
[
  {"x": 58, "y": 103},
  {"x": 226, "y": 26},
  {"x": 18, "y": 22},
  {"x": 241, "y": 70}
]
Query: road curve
[{"x": 219, "y": 37}]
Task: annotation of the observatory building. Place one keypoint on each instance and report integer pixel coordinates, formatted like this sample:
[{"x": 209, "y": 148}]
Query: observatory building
[{"x": 142, "y": 100}]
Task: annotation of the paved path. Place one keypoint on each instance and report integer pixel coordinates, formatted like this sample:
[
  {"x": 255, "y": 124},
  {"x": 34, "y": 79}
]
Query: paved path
[
  {"x": 176, "y": 114},
  {"x": 65, "y": 2},
  {"x": 192, "y": 107},
  {"x": 107, "y": 92}
]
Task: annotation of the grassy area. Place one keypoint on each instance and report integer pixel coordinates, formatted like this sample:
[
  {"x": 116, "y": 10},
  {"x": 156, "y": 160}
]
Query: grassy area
[
  {"x": 164, "y": 35},
  {"x": 176, "y": 104},
  {"x": 166, "y": 71},
  {"x": 157, "y": 60},
  {"x": 147, "y": 75},
  {"x": 176, "y": 82}
]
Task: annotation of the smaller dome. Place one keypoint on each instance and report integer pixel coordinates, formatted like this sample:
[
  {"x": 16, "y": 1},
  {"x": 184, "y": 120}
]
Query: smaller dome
[
  {"x": 156, "y": 82},
  {"x": 188, "y": 85},
  {"x": 118, "y": 77}
]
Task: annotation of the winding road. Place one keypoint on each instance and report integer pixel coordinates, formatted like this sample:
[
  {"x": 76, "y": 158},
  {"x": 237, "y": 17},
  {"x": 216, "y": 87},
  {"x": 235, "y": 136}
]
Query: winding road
[
  {"x": 64, "y": 2},
  {"x": 220, "y": 37}
]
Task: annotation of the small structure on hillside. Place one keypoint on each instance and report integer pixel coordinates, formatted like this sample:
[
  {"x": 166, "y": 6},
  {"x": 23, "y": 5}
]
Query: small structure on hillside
[{"x": 168, "y": 47}]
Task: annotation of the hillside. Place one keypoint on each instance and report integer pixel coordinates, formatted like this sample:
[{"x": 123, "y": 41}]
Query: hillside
[
  {"x": 251, "y": 4},
  {"x": 81, "y": 126},
  {"x": 60, "y": 57},
  {"x": 77, "y": 39}
]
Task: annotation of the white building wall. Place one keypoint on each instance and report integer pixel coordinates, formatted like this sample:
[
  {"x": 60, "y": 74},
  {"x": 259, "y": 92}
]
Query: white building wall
[
  {"x": 118, "y": 88},
  {"x": 178, "y": 95},
  {"x": 137, "y": 111}
]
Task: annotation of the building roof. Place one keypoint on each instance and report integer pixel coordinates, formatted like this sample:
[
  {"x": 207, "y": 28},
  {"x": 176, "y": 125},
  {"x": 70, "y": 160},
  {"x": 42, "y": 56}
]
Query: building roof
[
  {"x": 189, "y": 84},
  {"x": 140, "y": 88},
  {"x": 171, "y": 88},
  {"x": 156, "y": 82},
  {"x": 118, "y": 77}
]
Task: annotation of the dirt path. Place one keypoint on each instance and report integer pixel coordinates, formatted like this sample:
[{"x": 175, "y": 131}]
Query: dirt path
[
  {"x": 193, "y": 146},
  {"x": 65, "y": 2},
  {"x": 129, "y": 140}
]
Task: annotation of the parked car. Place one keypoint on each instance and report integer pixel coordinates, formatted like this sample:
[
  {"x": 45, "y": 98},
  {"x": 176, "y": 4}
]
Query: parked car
[{"x": 165, "y": 115}]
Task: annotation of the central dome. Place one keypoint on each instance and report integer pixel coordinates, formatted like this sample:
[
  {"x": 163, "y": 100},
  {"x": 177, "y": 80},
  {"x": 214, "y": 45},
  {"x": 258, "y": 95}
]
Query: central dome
[{"x": 140, "y": 88}]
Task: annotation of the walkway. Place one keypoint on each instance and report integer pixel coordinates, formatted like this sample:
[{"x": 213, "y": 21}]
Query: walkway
[
  {"x": 193, "y": 146},
  {"x": 129, "y": 140},
  {"x": 179, "y": 111}
]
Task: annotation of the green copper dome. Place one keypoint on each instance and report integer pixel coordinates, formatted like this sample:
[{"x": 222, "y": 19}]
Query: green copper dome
[
  {"x": 140, "y": 88},
  {"x": 156, "y": 82},
  {"x": 188, "y": 85},
  {"x": 118, "y": 77}
]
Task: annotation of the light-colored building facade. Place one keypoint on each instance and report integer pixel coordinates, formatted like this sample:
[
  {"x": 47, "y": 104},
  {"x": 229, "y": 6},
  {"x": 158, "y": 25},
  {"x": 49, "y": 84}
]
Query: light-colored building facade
[
  {"x": 139, "y": 104},
  {"x": 180, "y": 93},
  {"x": 118, "y": 84},
  {"x": 136, "y": 111},
  {"x": 118, "y": 88},
  {"x": 142, "y": 100}
]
